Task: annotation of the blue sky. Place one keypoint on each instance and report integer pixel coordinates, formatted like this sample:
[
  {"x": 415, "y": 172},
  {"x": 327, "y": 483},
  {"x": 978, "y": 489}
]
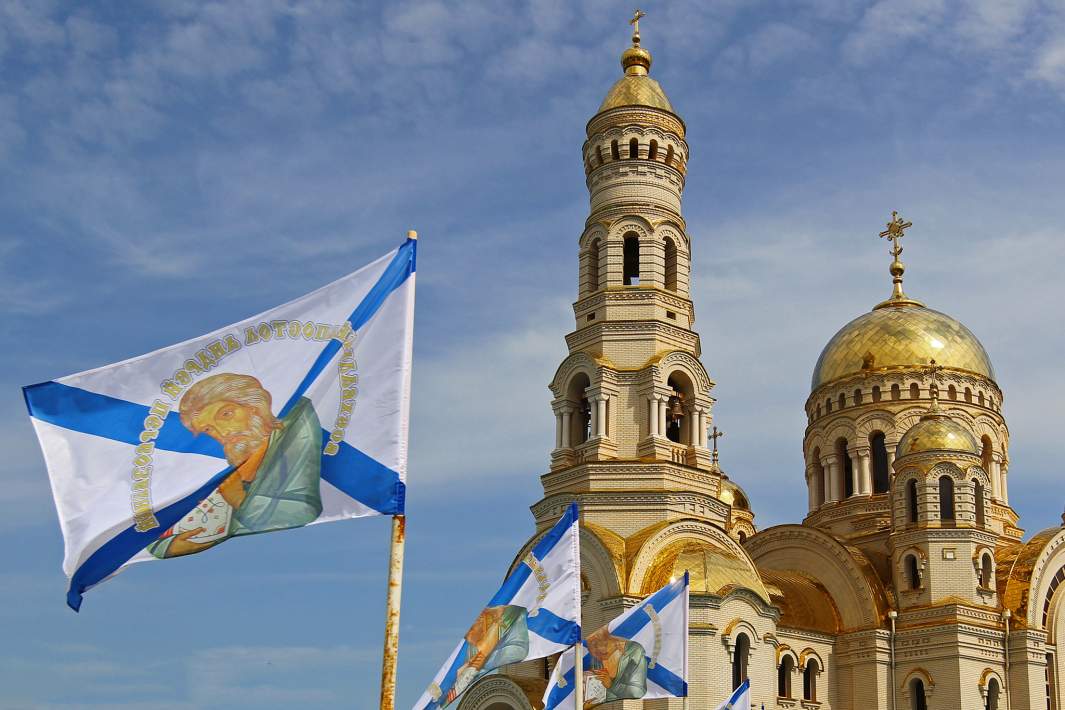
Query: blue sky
[{"x": 171, "y": 167}]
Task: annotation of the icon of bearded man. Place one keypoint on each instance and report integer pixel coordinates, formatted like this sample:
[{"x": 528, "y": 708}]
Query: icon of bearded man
[{"x": 276, "y": 462}]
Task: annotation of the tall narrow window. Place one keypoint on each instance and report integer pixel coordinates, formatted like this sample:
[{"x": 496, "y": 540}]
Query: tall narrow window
[
  {"x": 985, "y": 453},
  {"x": 978, "y": 493},
  {"x": 881, "y": 475},
  {"x": 915, "y": 391},
  {"x": 952, "y": 392},
  {"x": 980, "y": 399},
  {"x": 809, "y": 679},
  {"x": 669, "y": 155},
  {"x": 828, "y": 404},
  {"x": 631, "y": 260},
  {"x": 895, "y": 392},
  {"x": 987, "y": 567},
  {"x": 857, "y": 396},
  {"x": 911, "y": 501},
  {"x": 913, "y": 572},
  {"x": 634, "y": 149},
  {"x": 876, "y": 393},
  {"x": 598, "y": 155},
  {"x": 842, "y": 400},
  {"x": 739, "y": 660},
  {"x": 917, "y": 692},
  {"x": 652, "y": 152},
  {"x": 614, "y": 152},
  {"x": 847, "y": 466},
  {"x": 1051, "y": 672},
  {"x": 993, "y": 693},
  {"x": 817, "y": 480},
  {"x": 671, "y": 265},
  {"x": 784, "y": 677},
  {"x": 968, "y": 395},
  {"x": 593, "y": 266},
  {"x": 946, "y": 498}
]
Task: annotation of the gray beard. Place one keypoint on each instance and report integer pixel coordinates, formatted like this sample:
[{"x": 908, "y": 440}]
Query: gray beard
[{"x": 238, "y": 447}]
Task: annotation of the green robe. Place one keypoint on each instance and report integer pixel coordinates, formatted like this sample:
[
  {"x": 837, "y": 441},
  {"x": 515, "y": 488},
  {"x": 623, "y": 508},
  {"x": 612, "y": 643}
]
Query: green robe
[
  {"x": 285, "y": 491},
  {"x": 631, "y": 679}
]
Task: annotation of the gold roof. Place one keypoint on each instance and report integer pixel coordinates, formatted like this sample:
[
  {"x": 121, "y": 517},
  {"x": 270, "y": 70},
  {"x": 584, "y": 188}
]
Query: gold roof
[
  {"x": 900, "y": 334},
  {"x": 711, "y": 569},
  {"x": 937, "y": 432},
  {"x": 804, "y": 602},
  {"x": 732, "y": 494},
  {"x": 639, "y": 90}
]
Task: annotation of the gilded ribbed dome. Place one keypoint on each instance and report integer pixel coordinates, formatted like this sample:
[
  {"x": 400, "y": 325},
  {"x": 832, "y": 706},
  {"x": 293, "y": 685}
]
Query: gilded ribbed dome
[
  {"x": 900, "y": 335},
  {"x": 636, "y": 90},
  {"x": 937, "y": 432},
  {"x": 711, "y": 569},
  {"x": 732, "y": 494}
]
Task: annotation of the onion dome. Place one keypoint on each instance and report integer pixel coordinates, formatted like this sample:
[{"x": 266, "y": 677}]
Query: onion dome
[
  {"x": 732, "y": 494},
  {"x": 937, "y": 431},
  {"x": 900, "y": 333},
  {"x": 636, "y": 88}
]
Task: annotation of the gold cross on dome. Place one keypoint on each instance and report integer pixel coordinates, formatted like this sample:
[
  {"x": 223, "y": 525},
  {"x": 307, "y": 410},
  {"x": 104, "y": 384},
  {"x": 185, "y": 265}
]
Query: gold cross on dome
[
  {"x": 933, "y": 389},
  {"x": 715, "y": 436},
  {"x": 896, "y": 230},
  {"x": 637, "y": 15}
]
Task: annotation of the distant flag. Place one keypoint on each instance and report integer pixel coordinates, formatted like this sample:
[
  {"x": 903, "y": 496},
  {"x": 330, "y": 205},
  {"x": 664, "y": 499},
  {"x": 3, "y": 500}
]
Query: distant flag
[
  {"x": 740, "y": 698},
  {"x": 292, "y": 417},
  {"x": 641, "y": 654},
  {"x": 536, "y": 613}
]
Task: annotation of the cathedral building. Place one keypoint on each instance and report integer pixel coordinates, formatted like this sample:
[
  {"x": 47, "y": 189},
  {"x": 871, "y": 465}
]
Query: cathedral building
[{"x": 907, "y": 585}]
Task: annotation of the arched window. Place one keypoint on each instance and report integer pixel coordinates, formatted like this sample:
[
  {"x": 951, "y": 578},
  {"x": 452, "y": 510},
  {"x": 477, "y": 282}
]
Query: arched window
[
  {"x": 952, "y": 392},
  {"x": 739, "y": 660},
  {"x": 818, "y": 410},
  {"x": 987, "y": 567},
  {"x": 985, "y": 453},
  {"x": 671, "y": 265},
  {"x": 742, "y": 537},
  {"x": 881, "y": 471},
  {"x": 876, "y": 393},
  {"x": 911, "y": 501},
  {"x": 980, "y": 399},
  {"x": 847, "y": 466},
  {"x": 652, "y": 153},
  {"x": 917, "y": 695},
  {"x": 634, "y": 149},
  {"x": 593, "y": 266},
  {"x": 614, "y": 152},
  {"x": 809, "y": 679},
  {"x": 598, "y": 155},
  {"x": 946, "y": 498},
  {"x": 895, "y": 392},
  {"x": 968, "y": 395},
  {"x": 915, "y": 391},
  {"x": 669, "y": 155},
  {"x": 817, "y": 480},
  {"x": 828, "y": 405},
  {"x": 581, "y": 417},
  {"x": 631, "y": 260},
  {"x": 842, "y": 400},
  {"x": 857, "y": 396},
  {"x": 787, "y": 665},
  {"x": 677, "y": 409},
  {"x": 978, "y": 494},
  {"x": 993, "y": 693},
  {"x": 913, "y": 572}
]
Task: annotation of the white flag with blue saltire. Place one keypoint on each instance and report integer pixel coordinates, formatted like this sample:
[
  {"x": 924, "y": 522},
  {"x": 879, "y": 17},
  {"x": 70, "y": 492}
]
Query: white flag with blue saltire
[
  {"x": 537, "y": 612},
  {"x": 641, "y": 654},
  {"x": 295, "y": 416},
  {"x": 740, "y": 698}
]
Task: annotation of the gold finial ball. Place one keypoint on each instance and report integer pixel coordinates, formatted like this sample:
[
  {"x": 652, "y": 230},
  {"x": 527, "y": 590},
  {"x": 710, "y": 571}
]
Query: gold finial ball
[
  {"x": 897, "y": 268},
  {"x": 636, "y": 61}
]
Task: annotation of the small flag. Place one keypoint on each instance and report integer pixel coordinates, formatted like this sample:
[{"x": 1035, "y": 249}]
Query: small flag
[
  {"x": 536, "y": 613},
  {"x": 740, "y": 698},
  {"x": 292, "y": 417},
  {"x": 641, "y": 654}
]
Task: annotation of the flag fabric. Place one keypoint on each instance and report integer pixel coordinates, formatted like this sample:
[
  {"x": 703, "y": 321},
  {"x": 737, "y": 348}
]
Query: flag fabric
[
  {"x": 740, "y": 698},
  {"x": 536, "y": 613},
  {"x": 295, "y": 416},
  {"x": 641, "y": 654}
]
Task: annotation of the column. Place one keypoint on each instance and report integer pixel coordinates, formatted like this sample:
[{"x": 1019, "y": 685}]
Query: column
[
  {"x": 702, "y": 428},
  {"x": 663, "y": 409},
  {"x": 865, "y": 473},
  {"x": 567, "y": 415},
  {"x": 890, "y": 446},
  {"x": 593, "y": 412},
  {"x": 832, "y": 480},
  {"x": 652, "y": 416},
  {"x": 558, "y": 429},
  {"x": 995, "y": 474},
  {"x": 1004, "y": 469},
  {"x": 811, "y": 490},
  {"x": 693, "y": 427},
  {"x": 601, "y": 430}
]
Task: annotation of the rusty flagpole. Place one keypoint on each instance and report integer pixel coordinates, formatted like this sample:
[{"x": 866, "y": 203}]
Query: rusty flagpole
[{"x": 395, "y": 591}]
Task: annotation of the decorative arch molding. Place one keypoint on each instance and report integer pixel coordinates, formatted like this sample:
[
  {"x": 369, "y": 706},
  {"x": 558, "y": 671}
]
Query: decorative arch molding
[
  {"x": 694, "y": 530},
  {"x": 905, "y": 419},
  {"x": 595, "y": 231},
  {"x": 786, "y": 650},
  {"x": 670, "y": 230},
  {"x": 840, "y": 430},
  {"x": 494, "y": 689},
  {"x": 979, "y": 474},
  {"x": 806, "y": 655},
  {"x": 985, "y": 679},
  {"x": 948, "y": 468},
  {"x": 732, "y": 630},
  {"x": 690, "y": 365},
  {"x": 929, "y": 684},
  {"x": 1029, "y": 582},
  {"x": 578, "y": 362},
  {"x": 877, "y": 420},
  {"x": 630, "y": 223},
  {"x": 844, "y": 571}
]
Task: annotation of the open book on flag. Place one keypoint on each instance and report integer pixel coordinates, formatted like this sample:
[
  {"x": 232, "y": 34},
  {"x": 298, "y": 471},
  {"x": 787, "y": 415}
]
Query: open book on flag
[
  {"x": 537, "y": 612},
  {"x": 298, "y": 415},
  {"x": 642, "y": 654}
]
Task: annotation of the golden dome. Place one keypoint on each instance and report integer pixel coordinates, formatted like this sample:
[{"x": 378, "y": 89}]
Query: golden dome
[
  {"x": 732, "y": 494},
  {"x": 900, "y": 334},
  {"x": 937, "y": 432},
  {"x": 636, "y": 88},
  {"x": 711, "y": 569}
]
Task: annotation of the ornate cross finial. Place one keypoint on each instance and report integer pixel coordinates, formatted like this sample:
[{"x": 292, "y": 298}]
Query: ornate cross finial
[
  {"x": 715, "y": 436},
  {"x": 933, "y": 389},
  {"x": 637, "y": 15},
  {"x": 896, "y": 230}
]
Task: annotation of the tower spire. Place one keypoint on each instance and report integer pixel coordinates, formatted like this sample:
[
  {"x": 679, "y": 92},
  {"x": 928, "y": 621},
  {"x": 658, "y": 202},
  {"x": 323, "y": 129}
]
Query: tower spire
[
  {"x": 637, "y": 15},
  {"x": 933, "y": 389},
  {"x": 896, "y": 230},
  {"x": 636, "y": 60}
]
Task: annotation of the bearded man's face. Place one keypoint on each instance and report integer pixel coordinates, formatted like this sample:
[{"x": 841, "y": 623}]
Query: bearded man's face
[{"x": 241, "y": 430}]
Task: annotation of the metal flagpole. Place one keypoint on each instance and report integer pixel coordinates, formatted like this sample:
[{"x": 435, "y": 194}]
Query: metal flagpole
[
  {"x": 578, "y": 675},
  {"x": 395, "y": 589}
]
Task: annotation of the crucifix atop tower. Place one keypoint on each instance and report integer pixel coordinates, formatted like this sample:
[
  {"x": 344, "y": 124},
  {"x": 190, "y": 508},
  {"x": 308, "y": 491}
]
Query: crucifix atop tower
[
  {"x": 933, "y": 389},
  {"x": 896, "y": 230},
  {"x": 715, "y": 436},
  {"x": 635, "y": 22}
]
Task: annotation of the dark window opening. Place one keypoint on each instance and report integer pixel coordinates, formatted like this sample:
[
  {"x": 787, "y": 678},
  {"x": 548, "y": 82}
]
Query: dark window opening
[
  {"x": 876, "y": 393},
  {"x": 895, "y": 392},
  {"x": 978, "y": 493},
  {"x": 634, "y": 149},
  {"x": 671, "y": 315},
  {"x": 847, "y": 466},
  {"x": 946, "y": 498},
  {"x": 784, "y": 677},
  {"x": 652, "y": 153},
  {"x": 881, "y": 470},
  {"x": 631, "y": 260},
  {"x": 671, "y": 265},
  {"x": 911, "y": 501},
  {"x": 739, "y": 660},
  {"x": 809, "y": 680},
  {"x": 669, "y": 155},
  {"x": 915, "y": 391},
  {"x": 593, "y": 266},
  {"x": 913, "y": 572},
  {"x": 614, "y": 152},
  {"x": 917, "y": 691}
]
